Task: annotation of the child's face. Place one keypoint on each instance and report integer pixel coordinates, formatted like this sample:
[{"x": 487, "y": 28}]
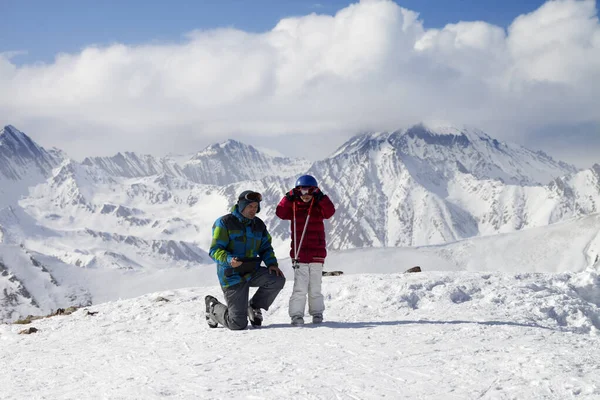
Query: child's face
[{"x": 306, "y": 197}]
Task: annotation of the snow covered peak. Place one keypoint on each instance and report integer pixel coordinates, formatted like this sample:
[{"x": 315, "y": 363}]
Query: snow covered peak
[
  {"x": 72, "y": 184},
  {"x": 132, "y": 165},
  {"x": 233, "y": 161},
  {"x": 229, "y": 146},
  {"x": 361, "y": 142},
  {"x": 418, "y": 186},
  {"x": 446, "y": 136},
  {"x": 11, "y": 136},
  {"x": 229, "y": 142},
  {"x": 23, "y": 164},
  {"x": 449, "y": 150},
  {"x": 18, "y": 154},
  {"x": 475, "y": 152}
]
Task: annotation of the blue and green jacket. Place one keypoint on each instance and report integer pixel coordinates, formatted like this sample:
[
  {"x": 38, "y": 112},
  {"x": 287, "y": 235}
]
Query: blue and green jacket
[{"x": 234, "y": 235}]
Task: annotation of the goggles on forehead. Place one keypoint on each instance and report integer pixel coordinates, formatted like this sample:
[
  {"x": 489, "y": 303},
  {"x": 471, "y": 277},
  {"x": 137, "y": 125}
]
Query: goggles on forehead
[
  {"x": 253, "y": 196},
  {"x": 304, "y": 190}
]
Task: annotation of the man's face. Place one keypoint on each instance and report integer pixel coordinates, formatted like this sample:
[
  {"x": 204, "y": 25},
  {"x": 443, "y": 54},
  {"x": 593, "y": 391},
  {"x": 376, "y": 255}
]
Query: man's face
[{"x": 250, "y": 210}]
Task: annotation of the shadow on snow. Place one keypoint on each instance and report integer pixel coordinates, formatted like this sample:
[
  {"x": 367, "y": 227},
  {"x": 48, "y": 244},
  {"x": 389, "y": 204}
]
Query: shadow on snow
[{"x": 356, "y": 325}]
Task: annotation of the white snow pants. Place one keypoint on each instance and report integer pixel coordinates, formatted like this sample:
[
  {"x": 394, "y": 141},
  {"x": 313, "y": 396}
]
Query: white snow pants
[{"x": 307, "y": 280}]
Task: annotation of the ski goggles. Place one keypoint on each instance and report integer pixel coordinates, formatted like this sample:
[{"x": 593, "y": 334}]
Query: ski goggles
[
  {"x": 253, "y": 197},
  {"x": 304, "y": 190}
]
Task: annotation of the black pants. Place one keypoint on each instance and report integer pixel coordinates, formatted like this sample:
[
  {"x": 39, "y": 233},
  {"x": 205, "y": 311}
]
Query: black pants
[{"x": 235, "y": 315}]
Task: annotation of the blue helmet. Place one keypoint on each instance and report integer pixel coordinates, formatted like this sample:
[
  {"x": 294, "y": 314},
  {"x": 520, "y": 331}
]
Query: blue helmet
[{"x": 307, "y": 180}]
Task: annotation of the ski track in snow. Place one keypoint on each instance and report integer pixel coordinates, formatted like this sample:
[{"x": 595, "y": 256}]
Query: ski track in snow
[{"x": 433, "y": 335}]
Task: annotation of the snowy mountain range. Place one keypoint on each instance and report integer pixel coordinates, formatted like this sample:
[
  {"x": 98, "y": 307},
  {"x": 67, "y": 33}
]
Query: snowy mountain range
[{"x": 132, "y": 213}]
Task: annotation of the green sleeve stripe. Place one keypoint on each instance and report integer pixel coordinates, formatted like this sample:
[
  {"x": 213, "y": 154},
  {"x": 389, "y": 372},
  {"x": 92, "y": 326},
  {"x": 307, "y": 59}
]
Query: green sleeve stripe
[{"x": 219, "y": 243}]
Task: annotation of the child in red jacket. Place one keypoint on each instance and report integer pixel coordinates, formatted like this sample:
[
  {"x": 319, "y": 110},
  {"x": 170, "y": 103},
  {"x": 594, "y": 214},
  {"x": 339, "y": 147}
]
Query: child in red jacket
[{"x": 306, "y": 207}]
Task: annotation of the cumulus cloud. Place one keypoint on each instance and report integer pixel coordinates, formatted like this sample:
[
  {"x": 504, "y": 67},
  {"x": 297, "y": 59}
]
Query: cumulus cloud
[{"x": 371, "y": 66}]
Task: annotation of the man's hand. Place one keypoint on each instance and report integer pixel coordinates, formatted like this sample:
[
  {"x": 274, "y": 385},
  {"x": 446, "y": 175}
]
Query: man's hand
[
  {"x": 291, "y": 195},
  {"x": 235, "y": 262},
  {"x": 274, "y": 269}
]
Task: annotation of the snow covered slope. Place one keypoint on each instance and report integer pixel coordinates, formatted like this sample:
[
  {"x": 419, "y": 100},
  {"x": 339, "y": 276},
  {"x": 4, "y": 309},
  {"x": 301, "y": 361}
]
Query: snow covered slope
[
  {"x": 430, "y": 335},
  {"x": 29, "y": 288}
]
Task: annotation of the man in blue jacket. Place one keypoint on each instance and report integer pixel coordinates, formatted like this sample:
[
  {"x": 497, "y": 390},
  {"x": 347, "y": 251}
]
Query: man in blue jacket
[{"x": 240, "y": 241}]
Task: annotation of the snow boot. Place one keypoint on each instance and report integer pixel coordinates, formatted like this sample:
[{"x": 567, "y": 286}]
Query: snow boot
[
  {"x": 297, "y": 320},
  {"x": 210, "y": 306},
  {"x": 317, "y": 318},
  {"x": 255, "y": 316}
]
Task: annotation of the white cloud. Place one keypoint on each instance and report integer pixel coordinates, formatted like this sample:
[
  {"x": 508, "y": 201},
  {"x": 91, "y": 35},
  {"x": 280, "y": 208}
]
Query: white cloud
[
  {"x": 373, "y": 65},
  {"x": 556, "y": 43}
]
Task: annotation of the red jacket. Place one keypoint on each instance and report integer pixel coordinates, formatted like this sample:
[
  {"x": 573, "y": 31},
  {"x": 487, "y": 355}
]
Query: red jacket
[{"x": 313, "y": 247}]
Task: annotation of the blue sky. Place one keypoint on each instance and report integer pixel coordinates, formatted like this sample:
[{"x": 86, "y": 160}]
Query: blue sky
[{"x": 43, "y": 28}]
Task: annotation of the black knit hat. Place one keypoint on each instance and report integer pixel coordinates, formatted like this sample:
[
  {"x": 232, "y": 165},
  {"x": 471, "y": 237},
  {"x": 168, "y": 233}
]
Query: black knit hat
[{"x": 246, "y": 197}]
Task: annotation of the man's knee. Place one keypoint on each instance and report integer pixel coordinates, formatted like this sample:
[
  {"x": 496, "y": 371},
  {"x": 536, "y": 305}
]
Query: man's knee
[
  {"x": 279, "y": 282},
  {"x": 238, "y": 322}
]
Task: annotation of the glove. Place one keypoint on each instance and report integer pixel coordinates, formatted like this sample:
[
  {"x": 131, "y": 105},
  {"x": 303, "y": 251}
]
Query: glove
[
  {"x": 291, "y": 195},
  {"x": 318, "y": 195}
]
